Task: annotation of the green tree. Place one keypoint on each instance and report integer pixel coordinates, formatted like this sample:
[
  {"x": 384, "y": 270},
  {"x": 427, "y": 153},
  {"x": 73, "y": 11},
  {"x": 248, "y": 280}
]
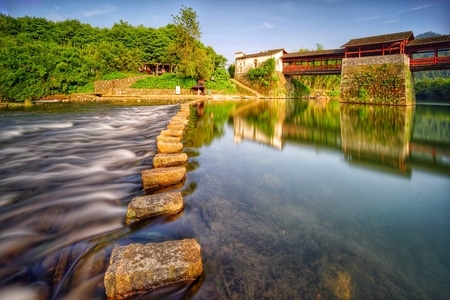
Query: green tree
[{"x": 188, "y": 33}]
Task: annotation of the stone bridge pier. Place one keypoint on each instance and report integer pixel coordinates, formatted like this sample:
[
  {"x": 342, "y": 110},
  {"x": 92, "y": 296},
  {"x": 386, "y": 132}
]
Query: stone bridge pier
[{"x": 377, "y": 80}]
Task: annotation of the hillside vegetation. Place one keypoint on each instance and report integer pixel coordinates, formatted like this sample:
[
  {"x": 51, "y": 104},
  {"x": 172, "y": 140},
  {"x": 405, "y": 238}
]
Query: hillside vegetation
[{"x": 39, "y": 57}]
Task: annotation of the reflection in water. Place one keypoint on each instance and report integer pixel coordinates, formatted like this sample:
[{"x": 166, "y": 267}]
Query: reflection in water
[
  {"x": 300, "y": 224},
  {"x": 386, "y": 137},
  {"x": 261, "y": 122},
  {"x": 377, "y": 134},
  {"x": 295, "y": 223}
]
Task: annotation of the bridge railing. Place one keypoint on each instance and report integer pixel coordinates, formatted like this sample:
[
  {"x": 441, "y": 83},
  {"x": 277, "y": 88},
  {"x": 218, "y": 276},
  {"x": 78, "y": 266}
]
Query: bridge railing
[
  {"x": 429, "y": 61},
  {"x": 289, "y": 69}
]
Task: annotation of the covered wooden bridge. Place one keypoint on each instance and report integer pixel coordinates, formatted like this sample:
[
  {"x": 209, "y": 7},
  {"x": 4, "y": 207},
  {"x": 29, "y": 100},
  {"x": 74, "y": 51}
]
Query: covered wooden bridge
[{"x": 425, "y": 54}]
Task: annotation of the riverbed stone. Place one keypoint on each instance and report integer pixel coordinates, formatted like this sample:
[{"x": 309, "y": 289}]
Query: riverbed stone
[
  {"x": 169, "y": 148},
  {"x": 163, "y": 160},
  {"x": 171, "y": 132},
  {"x": 140, "y": 268},
  {"x": 157, "y": 178},
  {"x": 148, "y": 206}
]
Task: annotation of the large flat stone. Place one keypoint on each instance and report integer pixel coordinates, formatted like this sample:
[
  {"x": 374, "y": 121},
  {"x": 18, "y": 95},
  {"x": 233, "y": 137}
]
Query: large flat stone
[
  {"x": 139, "y": 268},
  {"x": 159, "y": 178},
  {"x": 175, "y": 126},
  {"x": 168, "y": 139},
  {"x": 144, "y": 207},
  {"x": 164, "y": 147},
  {"x": 170, "y": 132},
  {"x": 163, "y": 160}
]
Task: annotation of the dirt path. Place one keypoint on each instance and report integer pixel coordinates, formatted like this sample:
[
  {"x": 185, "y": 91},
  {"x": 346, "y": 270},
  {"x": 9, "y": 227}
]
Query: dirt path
[{"x": 257, "y": 94}]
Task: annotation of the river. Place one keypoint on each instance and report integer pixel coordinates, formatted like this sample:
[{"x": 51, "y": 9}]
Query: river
[{"x": 288, "y": 199}]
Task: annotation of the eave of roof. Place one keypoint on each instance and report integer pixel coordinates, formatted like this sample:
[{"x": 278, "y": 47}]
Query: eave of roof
[
  {"x": 265, "y": 53},
  {"x": 430, "y": 40},
  {"x": 380, "y": 39}
]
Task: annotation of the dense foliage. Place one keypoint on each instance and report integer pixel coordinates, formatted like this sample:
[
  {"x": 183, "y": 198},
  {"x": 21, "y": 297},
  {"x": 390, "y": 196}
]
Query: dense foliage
[
  {"x": 437, "y": 90},
  {"x": 219, "y": 82},
  {"x": 265, "y": 74},
  {"x": 39, "y": 57}
]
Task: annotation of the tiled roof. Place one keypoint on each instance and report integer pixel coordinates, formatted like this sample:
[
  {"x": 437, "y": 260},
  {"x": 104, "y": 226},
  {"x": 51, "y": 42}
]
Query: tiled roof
[
  {"x": 264, "y": 53},
  {"x": 330, "y": 52},
  {"x": 430, "y": 40},
  {"x": 380, "y": 39}
]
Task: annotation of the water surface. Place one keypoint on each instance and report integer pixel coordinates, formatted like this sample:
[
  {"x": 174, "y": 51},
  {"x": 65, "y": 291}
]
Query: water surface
[{"x": 288, "y": 199}]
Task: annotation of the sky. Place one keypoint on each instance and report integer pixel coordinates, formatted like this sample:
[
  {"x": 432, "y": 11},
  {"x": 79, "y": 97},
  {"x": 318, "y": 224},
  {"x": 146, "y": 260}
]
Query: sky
[{"x": 252, "y": 26}]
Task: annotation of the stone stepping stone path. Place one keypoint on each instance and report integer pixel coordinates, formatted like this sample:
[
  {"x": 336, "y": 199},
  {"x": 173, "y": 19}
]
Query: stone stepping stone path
[{"x": 140, "y": 268}]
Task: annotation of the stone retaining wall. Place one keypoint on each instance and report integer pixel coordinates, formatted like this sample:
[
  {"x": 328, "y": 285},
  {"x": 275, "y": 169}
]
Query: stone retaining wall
[
  {"x": 377, "y": 80},
  {"x": 108, "y": 86}
]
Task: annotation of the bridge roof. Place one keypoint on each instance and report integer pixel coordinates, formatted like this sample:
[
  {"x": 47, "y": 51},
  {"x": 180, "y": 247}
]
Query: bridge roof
[
  {"x": 430, "y": 40},
  {"x": 380, "y": 39},
  {"x": 322, "y": 53}
]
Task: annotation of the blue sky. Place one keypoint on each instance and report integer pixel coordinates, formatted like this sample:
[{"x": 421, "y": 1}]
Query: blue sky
[{"x": 253, "y": 26}]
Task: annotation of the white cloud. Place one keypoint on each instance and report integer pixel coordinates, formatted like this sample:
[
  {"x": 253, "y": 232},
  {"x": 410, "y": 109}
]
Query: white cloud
[
  {"x": 100, "y": 10},
  {"x": 368, "y": 18},
  {"x": 414, "y": 8},
  {"x": 391, "y": 21},
  {"x": 265, "y": 25}
]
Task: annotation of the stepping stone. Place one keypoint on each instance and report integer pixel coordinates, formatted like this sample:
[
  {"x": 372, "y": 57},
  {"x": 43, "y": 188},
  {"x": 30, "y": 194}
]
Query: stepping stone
[
  {"x": 169, "y": 148},
  {"x": 140, "y": 268},
  {"x": 168, "y": 139},
  {"x": 148, "y": 206},
  {"x": 182, "y": 120},
  {"x": 175, "y": 126},
  {"x": 170, "y": 132},
  {"x": 158, "y": 178},
  {"x": 163, "y": 160}
]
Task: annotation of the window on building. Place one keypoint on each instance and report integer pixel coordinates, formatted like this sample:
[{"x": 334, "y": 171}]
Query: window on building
[{"x": 255, "y": 63}]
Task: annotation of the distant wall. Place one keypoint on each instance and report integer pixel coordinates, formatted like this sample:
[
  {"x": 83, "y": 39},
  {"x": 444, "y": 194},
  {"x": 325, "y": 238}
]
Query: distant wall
[
  {"x": 377, "y": 80},
  {"x": 121, "y": 87},
  {"x": 108, "y": 86}
]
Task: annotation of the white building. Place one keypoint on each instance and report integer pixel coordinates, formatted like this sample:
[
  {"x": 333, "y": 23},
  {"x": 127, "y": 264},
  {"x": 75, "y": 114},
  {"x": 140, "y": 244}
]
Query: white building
[{"x": 245, "y": 62}]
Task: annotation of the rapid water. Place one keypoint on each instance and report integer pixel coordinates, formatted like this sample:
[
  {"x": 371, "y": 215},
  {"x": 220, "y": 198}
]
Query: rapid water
[{"x": 67, "y": 172}]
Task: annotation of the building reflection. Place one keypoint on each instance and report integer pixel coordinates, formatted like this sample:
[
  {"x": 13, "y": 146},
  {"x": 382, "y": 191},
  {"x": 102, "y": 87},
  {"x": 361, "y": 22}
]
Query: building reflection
[
  {"x": 377, "y": 135},
  {"x": 385, "y": 138}
]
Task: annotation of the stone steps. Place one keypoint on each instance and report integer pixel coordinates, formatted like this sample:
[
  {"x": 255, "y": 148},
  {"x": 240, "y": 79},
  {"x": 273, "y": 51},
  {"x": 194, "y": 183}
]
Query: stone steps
[{"x": 139, "y": 268}]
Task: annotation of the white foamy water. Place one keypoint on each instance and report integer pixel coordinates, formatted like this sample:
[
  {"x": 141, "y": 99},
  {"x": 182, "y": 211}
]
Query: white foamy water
[{"x": 65, "y": 179}]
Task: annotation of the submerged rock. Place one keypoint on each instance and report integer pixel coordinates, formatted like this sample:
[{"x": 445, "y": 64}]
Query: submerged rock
[
  {"x": 162, "y": 177},
  {"x": 163, "y": 160},
  {"x": 144, "y": 207},
  {"x": 139, "y": 268}
]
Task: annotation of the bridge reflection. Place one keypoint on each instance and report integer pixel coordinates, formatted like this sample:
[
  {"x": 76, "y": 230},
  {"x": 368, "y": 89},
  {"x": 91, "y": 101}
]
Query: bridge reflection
[{"x": 386, "y": 138}]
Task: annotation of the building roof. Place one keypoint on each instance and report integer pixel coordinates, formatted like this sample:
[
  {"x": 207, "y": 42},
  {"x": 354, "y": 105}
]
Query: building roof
[
  {"x": 330, "y": 52},
  {"x": 264, "y": 53},
  {"x": 430, "y": 40},
  {"x": 380, "y": 39}
]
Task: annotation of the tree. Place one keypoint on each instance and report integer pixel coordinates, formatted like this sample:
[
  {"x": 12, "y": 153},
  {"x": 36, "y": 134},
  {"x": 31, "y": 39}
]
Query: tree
[{"x": 188, "y": 33}]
